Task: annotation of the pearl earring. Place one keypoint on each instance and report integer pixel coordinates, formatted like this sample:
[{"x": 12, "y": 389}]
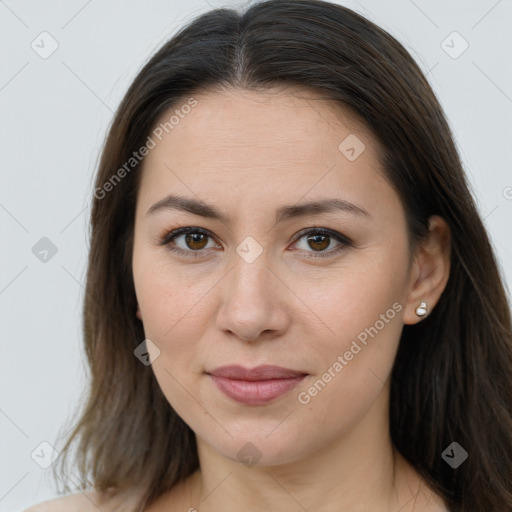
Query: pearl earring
[{"x": 421, "y": 310}]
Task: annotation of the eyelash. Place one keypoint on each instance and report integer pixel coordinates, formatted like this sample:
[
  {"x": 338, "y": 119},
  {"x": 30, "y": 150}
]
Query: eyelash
[{"x": 343, "y": 240}]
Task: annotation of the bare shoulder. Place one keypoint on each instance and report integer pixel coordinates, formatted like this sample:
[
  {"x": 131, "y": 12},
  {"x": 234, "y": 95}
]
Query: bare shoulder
[
  {"x": 86, "y": 501},
  {"x": 81, "y": 501}
]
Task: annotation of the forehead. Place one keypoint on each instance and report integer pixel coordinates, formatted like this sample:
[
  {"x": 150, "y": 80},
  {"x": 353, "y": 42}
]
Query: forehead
[
  {"x": 272, "y": 118},
  {"x": 291, "y": 140}
]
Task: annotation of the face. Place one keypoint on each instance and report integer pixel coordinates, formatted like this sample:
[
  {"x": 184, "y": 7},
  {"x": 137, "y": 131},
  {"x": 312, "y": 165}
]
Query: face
[{"x": 316, "y": 291}]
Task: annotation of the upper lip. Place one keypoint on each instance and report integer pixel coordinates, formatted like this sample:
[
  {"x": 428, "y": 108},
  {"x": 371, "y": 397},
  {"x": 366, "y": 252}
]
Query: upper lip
[{"x": 265, "y": 372}]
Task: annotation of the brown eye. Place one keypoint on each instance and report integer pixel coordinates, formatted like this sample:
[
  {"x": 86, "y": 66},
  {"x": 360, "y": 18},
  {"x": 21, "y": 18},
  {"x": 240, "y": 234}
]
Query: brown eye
[
  {"x": 187, "y": 241},
  {"x": 317, "y": 241},
  {"x": 195, "y": 241},
  {"x": 191, "y": 241}
]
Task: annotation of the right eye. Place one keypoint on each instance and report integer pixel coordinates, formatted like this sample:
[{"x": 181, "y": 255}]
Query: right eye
[{"x": 194, "y": 241}]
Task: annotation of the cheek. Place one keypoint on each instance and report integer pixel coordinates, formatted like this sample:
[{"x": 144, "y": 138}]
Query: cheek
[
  {"x": 172, "y": 312},
  {"x": 170, "y": 297},
  {"x": 354, "y": 297},
  {"x": 353, "y": 368},
  {"x": 361, "y": 314}
]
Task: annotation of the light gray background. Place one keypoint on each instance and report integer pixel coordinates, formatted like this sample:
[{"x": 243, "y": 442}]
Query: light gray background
[{"x": 54, "y": 116}]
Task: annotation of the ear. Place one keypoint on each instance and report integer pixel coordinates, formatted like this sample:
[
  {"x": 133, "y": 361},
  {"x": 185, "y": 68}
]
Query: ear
[
  {"x": 430, "y": 270},
  {"x": 138, "y": 314}
]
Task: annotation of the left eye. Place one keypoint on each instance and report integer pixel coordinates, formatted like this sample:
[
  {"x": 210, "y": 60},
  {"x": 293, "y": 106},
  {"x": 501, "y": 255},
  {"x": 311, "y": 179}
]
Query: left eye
[
  {"x": 195, "y": 240},
  {"x": 320, "y": 239}
]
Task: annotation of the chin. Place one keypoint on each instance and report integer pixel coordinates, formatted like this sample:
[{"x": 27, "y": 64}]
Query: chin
[{"x": 258, "y": 445}]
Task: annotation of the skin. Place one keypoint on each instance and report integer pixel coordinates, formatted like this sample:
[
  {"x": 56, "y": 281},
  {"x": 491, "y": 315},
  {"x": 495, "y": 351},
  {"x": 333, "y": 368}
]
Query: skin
[{"x": 249, "y": 153}]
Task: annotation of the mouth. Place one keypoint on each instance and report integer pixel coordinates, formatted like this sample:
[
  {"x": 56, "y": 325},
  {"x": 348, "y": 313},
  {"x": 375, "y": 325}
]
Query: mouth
[{"x": 256, "y": 386}]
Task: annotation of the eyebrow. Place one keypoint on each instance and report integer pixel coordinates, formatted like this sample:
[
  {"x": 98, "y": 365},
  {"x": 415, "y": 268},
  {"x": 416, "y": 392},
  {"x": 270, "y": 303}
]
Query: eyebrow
[{"x": 284, "y": 213}]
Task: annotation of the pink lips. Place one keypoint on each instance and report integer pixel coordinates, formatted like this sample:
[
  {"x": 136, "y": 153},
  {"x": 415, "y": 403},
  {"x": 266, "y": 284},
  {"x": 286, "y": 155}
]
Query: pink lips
[{"x": 255, "y": 386}]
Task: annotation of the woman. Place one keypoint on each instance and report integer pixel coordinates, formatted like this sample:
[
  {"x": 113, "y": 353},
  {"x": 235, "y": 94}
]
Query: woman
[{"x": 291, "y": 302}]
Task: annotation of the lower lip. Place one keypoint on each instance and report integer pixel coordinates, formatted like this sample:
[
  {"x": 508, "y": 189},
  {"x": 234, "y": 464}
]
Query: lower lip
[{"x": 255, "y": 392}]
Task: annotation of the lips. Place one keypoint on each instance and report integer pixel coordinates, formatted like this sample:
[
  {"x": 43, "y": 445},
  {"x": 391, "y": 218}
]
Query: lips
[
  {"x": 266, "y": 372},
  {"x": 255, "y": 386}
]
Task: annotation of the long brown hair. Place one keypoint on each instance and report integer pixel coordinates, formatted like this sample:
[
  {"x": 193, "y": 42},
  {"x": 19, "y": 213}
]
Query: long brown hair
[{"x": 452, "y": 377}]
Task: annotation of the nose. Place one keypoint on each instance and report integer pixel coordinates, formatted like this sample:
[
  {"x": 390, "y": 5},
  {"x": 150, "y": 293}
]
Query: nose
[{"x": 253, "y": 301}]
